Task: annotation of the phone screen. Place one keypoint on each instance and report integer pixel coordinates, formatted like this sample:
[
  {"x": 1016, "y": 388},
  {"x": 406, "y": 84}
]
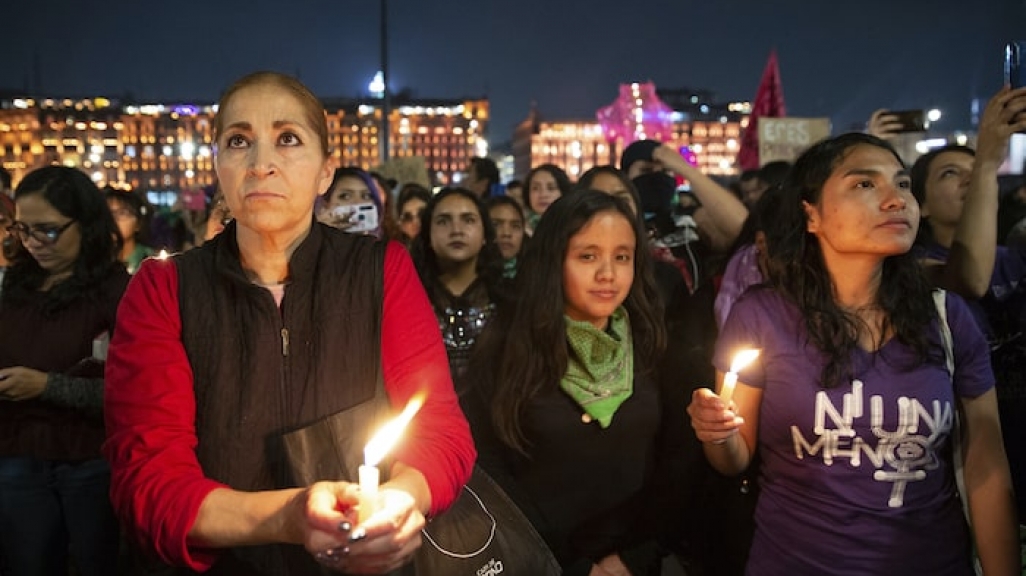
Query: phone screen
[
  {"x": 1015, "y": 72},
  {"x": 911, "y": 120}
]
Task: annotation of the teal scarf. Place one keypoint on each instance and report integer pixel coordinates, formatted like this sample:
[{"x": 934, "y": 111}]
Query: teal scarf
[{"x": 600, "y": 372}]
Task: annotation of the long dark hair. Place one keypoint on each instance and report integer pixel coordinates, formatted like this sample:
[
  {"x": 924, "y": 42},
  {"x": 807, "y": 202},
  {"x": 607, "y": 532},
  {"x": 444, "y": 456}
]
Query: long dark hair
[
  {"x": 75, "y": 196},
  {"x": 489, "y": 260},
  {"x": 920, "y": 173},
  {"x": 524, "y": 350},
  {"x": 798, "y": 271}
]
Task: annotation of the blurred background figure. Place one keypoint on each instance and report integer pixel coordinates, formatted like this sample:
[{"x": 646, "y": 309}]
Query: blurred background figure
[
  {"x": 410, "y": 207},
  {"x": 508, "y": 220},
  {"x": 543, "y": 186},
  {"x": 218, "y": 216},
  {"x": 57, "y": 311},
  {"x": 132, "y": 215},
  {"x": 386, "y": 187},
  {"x": 482, "y": 176},
  {"x": 515, "y": 190},
  {"x": 9, "y": 244},
  {"x": 5, "y": 183}
]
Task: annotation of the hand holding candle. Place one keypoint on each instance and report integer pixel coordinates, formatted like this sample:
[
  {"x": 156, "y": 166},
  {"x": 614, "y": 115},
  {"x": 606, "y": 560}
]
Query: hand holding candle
[
  {"x": 375, "y": 451},
  {"x": 741, "y": 359}
]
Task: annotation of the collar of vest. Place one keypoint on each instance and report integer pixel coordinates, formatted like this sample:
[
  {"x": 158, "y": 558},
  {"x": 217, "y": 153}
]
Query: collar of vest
[{"x": 302, "y": 263}]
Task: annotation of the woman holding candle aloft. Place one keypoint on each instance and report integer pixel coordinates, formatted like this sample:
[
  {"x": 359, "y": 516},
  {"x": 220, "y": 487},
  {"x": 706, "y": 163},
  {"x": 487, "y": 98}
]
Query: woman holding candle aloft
[
  {"x": 850, "y": 402},
  {"x": 562, "y": 402},
  {"x": 276, "y": 323}
]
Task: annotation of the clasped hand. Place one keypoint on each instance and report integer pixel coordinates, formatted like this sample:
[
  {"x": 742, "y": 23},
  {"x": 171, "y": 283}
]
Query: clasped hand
[
  {"x": 381, "y": 544},
  {"x": 713, "y": 421}
]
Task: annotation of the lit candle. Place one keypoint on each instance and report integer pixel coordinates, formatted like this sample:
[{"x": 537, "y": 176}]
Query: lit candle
[
  {"x": 162, "y": 255},
  {"x": 375, "y": 451},
  {"x": 741, "y": 359}
]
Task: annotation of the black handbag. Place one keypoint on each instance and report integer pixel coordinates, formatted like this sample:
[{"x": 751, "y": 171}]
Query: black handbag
[{"x": 483, "y": 533}]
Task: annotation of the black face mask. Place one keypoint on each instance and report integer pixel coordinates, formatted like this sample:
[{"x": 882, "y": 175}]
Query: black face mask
[{"x": 656, "y": 191}]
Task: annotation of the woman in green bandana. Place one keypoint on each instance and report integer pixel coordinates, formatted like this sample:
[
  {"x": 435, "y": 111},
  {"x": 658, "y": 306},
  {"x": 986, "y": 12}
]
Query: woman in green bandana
[{"x": 564, "y": 410}]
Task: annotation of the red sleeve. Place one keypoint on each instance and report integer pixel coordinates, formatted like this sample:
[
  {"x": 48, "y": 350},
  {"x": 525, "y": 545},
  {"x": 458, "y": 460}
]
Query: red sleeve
[
  {"x": 157, "y": 484},
  {"x": 414, "y": 360}
]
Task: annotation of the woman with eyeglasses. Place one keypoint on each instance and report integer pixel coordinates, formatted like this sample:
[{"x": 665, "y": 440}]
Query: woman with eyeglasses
[
  {"x": 413, "y": 198},
  {"x": 57, "y": 309}
]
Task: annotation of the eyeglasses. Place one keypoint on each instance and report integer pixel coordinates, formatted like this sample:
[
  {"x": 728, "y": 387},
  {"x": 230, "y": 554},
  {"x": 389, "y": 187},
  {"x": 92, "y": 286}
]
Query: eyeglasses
[{"x": 44, "y": 234}]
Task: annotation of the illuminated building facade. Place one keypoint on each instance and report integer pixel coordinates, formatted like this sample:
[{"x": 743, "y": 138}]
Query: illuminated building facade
[
  {"x": 445, "y": 133},
  {"x": 712, "y": 131},
  {"x": 169, "y": 148}
]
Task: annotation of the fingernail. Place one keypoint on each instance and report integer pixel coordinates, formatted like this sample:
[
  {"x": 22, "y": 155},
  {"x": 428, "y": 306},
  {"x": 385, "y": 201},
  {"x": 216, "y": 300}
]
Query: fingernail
[
  {"x": 344, "y": 526},
  {"x": 357, "y": 535}
]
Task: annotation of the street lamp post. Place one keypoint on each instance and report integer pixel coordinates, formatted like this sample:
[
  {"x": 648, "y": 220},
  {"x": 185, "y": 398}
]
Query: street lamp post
[{"x": 383, "y": 137}]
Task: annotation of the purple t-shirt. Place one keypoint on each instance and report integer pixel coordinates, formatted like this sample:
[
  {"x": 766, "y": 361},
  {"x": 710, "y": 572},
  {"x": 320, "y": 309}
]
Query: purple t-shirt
[{"x": 855, "y": 478}]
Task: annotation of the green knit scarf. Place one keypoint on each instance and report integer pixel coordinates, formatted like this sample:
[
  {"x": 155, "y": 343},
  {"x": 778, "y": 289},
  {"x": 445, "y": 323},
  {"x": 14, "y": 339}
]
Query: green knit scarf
[{"x": 600, "y": 371}]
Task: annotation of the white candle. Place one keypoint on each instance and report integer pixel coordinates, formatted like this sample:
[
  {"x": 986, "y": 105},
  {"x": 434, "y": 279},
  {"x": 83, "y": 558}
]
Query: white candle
[
  {"x": 375, "y": 451},
  {"x": 741, "y": 359},
  {"x": 369, "y": 478}
]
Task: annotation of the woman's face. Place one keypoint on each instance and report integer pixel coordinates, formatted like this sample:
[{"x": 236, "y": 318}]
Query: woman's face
[
  {"x": 349, "y": 191},
  {"x": 457, "y": 232},
  {"x": 509, "y": 229},
  {"x": 605, "y": 182},
  {"x": 128, "y": 223},
  {"x": 947, "y": 182},
  {"x": 866, "y": 207},
  {"x": 269, "y": 161},
  {"x": 57, "y": 257},
  {"x": 409, "y": 218},
  {"x": 543, "y": 191},
  {"x": 598, "y": 268}
]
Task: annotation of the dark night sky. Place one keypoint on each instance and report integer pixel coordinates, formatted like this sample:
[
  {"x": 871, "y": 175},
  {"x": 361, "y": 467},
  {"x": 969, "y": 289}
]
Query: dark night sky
[{"x": 838, "y": 58}]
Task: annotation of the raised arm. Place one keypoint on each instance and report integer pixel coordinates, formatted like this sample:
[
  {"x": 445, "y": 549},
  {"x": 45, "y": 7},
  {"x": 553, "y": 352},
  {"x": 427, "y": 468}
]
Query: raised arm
[
  {"x": 725, "y": 211},
  {"x": 971, "y": 259}
]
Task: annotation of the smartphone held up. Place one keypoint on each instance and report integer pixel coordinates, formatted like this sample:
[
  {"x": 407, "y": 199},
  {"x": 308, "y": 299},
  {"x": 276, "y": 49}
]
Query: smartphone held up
[
  {"x": 1015, "y": 72},
  {"x": 356, "y": 218}
]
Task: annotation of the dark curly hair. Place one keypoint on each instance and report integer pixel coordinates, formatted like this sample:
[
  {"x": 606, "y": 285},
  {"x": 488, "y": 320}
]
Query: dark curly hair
[{"x": 798, "y": 271}]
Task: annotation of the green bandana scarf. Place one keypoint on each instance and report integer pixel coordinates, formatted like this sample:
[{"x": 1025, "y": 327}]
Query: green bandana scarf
[{"x": 600, "y": 372}]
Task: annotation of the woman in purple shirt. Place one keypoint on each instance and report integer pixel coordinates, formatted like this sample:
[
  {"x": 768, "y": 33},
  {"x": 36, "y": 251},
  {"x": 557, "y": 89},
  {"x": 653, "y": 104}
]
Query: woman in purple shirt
[{"x": 850, "y": 404}]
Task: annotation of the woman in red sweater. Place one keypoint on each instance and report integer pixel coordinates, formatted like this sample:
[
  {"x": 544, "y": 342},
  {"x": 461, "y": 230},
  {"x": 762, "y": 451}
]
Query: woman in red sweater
[{"x": 277, "y": 323}]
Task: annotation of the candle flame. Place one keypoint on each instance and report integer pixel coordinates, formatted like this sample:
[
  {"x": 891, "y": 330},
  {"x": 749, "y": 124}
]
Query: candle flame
[
  {"x": 389, "y": 434},
  {"x": 742, "y": 359},
  {"x": 162, "y": 255}
]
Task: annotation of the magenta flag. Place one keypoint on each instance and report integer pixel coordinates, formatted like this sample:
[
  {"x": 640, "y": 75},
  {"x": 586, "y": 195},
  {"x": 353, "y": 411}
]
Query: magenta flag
[{"x": 769, "y": 103}]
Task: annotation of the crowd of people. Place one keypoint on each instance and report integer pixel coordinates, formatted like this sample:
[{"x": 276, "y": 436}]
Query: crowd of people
[{"x": 575, "y": 341}]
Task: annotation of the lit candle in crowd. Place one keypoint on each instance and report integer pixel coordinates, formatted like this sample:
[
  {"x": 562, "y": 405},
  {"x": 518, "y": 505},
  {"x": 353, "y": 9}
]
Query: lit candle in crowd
[
  {"x": 375, "y": 451},
  {"x": 741, "y": 359},
  {"x": 162, "y": 255}
]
